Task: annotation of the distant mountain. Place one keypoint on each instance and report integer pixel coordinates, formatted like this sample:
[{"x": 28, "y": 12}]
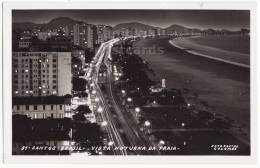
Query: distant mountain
[
  {"x": 54, "y": 23},
  {"x": 60, "y": 22},
  {"x": 177, "y": 28},
  {"x": 136, "y": 25}
]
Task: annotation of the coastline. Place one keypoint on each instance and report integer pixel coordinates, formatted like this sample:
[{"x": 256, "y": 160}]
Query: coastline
[
  {"x": 192, "y": 51},
  {"x": 215, "y": 83}
]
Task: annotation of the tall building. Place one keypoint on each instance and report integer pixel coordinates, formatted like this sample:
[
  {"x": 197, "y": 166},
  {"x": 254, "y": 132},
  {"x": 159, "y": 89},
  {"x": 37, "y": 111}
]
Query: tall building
[
  {"x": 122, "y": 32},
  {"x": 41, "y": 73},
  {"x": 84, "y": 35},
  {"x": 104, "y": 33},
  {"x": 66, "y": 31}
]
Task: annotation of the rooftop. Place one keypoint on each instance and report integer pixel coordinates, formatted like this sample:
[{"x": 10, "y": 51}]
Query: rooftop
[{"x": 34, "y": 100}]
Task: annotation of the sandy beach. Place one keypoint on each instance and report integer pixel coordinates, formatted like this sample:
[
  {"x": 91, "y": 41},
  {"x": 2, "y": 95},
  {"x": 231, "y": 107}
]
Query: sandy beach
[{"x": 210, "y": 51}]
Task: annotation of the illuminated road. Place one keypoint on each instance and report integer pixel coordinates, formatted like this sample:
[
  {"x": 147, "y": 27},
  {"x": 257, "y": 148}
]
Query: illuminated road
[
  {"x": 102, "y": 109},
  {"x": 128, "y": 125}
]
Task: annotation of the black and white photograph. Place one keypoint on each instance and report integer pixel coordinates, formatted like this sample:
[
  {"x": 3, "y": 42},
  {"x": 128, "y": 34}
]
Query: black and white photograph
[{"x": 130, "y": 82}]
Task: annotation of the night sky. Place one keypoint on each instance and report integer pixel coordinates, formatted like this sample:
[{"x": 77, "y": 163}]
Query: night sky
[{"x": 217, "y": 19}]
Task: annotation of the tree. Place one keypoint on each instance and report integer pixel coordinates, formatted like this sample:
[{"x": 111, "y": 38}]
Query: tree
[
  {"x": 83, "y": 109},
  {"x": 79, "y": 117},
  {"x": 78, "y": 84}
]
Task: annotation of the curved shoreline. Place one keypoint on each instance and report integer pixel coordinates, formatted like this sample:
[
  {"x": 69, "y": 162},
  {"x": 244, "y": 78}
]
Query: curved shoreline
[{"x": 208, "y": 56}]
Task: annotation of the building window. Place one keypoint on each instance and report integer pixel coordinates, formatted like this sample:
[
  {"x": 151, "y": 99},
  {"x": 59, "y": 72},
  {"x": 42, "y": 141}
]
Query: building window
[
  {"x": 54, "y": 66},
  {"x": 54, "y": 87},
  {"x": 26, "y": 107},
  {"x": 54, "y": 60},
  {"x": 54, "y": 71},
  {"x": 54, "y": 76},
  {"x": 35, "y": 115},
  {"x": 18, "y": 107},
  {"x": 60, "y": 107},
  {"x": 43, "y": 115},
  {"x": 53, "y": 81},
  {"x": 51, "y": 107},
  {"x": 43, "y": 107},
  {"x": 51, "y": 115},
  {"x": 35, "y": 107}
]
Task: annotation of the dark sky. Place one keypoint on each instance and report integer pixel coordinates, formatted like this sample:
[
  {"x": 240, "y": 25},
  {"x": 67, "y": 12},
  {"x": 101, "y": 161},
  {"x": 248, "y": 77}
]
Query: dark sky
[{"x": 230, "y": 19}]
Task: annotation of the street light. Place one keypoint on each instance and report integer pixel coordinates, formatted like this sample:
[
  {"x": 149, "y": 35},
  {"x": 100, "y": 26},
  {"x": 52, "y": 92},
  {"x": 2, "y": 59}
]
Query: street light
[
  {"x": 123, "y": 91},
  {"x": 129, "y": 99},
  {"x": 94, "y": 92},
  {"x": 162, "y": 142},
  {"x": 100, "y": 110},
  {"x": 110, "y": 143},
  {"x": 147, "y": 123},
  {"x": 183, "y": 124},
  {"x": 96, "y": 99},
  {"x": 137, "y": 109},
  {"x": 104, "y": 123}
]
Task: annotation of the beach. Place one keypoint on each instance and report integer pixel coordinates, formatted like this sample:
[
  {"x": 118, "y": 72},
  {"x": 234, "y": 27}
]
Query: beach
[
  {"x": 222, "y": 85},
  {"x": 229, "y": 49}
]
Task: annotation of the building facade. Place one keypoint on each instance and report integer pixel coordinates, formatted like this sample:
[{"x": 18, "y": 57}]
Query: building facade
[
  {"x": 104, "y": 33},
  {"x": 41, "y": 73},
  {"x": 42, "y": 107},
  {"x": 84, "y": 35}
]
